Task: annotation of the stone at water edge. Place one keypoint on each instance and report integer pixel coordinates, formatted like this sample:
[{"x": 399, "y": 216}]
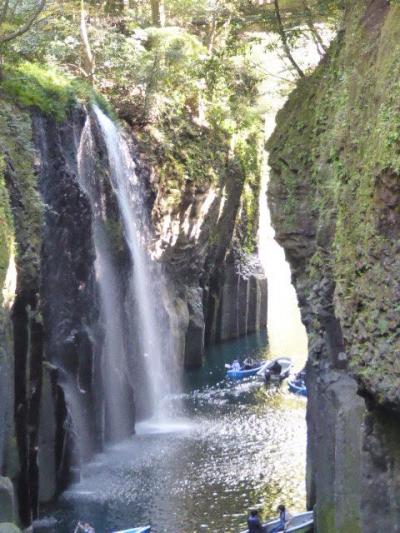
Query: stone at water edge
[{"x": 7, "y": 501}]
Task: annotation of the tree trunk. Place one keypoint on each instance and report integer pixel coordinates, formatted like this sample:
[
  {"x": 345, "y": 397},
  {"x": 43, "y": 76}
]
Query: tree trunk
[
  {"x": 313, "y": 30},
  {"x": 158, "y": 13},
  {"x": 282, "y": 34},
  {"x": 87, "y": 56}
]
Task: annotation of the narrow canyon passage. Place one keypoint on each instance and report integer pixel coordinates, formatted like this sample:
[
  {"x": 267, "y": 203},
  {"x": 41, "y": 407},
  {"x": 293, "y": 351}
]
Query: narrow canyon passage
[
  {"x": 185, "y": 185},
  {"x": 233, "y": 446}
]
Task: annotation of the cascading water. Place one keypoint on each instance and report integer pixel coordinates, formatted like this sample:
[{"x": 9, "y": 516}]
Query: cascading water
[
  {"x": 119, "y": 416},
  {"x": 145, "y": 284}
]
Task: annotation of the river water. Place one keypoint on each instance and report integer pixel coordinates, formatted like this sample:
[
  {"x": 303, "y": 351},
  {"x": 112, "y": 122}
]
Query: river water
[{"x": 233, "y": 446}]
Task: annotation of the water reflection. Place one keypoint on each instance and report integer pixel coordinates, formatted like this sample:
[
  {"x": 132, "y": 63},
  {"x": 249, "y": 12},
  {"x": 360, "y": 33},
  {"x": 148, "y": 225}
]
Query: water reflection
[{"x": 236, "y": 445}]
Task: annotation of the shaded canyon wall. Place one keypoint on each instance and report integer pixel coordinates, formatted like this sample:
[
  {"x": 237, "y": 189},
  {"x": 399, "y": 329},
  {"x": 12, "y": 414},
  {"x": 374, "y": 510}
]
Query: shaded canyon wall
[{"x": 334, "y": 197}]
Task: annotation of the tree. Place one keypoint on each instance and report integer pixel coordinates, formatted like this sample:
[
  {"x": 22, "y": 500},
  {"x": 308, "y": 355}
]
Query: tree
[
  {"x": 7, "y": 11},
  {"x": 7, "y": 17},
  {"x": 313, "y": 30},
  {"x": 158, "y": 13},
  {"x": 282, "y": 35},
  {"x": 87, "y": 56}
]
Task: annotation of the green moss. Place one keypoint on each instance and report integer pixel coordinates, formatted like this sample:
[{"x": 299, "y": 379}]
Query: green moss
[
  {"x": 6, "y": 229},
  {"x": 248, "y": 153},
  {"x": 114, "y": 234},
  {"x": 337, "y": 151},
  {"x": 24, "y": 226},
  {"x": 46, "y": 88},
  {"x": 326, "y": 518}
]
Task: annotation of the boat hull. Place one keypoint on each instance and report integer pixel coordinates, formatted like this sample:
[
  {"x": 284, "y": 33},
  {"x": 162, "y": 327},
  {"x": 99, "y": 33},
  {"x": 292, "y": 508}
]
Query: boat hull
[
  {"x": 145, "y": 529},
  {"x": 241, "y": 374},
  {"x": 297, "y": 389},
  {"x": 302, "y": 523}
]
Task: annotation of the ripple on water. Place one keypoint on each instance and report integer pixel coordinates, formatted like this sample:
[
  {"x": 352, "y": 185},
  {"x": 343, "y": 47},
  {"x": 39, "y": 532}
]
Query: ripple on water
[{"x": 236, "y": 446}]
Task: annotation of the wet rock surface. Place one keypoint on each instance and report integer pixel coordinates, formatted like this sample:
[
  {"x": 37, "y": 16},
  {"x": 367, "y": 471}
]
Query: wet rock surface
[
  {"x": 7, "y": 500},
  {"x": 224, "y": 288},
  {"x": 333, "y": 202},
  {"x": 8, "y": 527},
  {"x": 51, "y": 333}
]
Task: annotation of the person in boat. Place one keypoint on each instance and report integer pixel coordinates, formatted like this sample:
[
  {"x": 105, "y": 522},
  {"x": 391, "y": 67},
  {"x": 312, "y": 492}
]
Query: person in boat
[
  {"x": 300, "y": 379},
  {"x": 86, "y": 528},
  {"x": 235, "y": 365},
  {"x": 248, "y": 363},
  {"x": 276, "y": 368},
  {"x": 254, "y": 523},
  {"x": 274, "y": 371},
  {"x": 284, "y": 519}
]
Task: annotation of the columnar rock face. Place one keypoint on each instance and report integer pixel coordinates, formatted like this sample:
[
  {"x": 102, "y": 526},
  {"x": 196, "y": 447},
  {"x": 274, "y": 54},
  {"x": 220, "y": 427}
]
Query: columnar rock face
[
  {"x": 52, "y": 403},
  {"x": 199, "y": 242},
  {"x": 49, "y": 323},
  {"x": 243, "y": 305},
  {"x": 334, "y": 202}
]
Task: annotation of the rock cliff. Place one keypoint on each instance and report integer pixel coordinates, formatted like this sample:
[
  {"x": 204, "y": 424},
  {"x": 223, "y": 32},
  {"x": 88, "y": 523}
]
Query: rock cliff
[
  {"x": 51, "y": 329},
  {"x": 334, "y": 197}
]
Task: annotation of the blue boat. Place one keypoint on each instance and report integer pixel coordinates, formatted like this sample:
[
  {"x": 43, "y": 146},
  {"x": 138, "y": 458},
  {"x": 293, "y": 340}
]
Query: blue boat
[
  {"x": 244, "y": 373},
  {"x": 145, "y": 529},
  {"x": 297, "y": 386}
]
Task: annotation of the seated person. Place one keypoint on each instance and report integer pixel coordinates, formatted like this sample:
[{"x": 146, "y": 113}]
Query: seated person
[
  {"x": 284, "y": 519},
  {"x": 248, "y": 363},
  {"x": 235, "y": 365},
  {"x": 300, "y": 379},
  {"x": 254, "y": 522},
  {"x": 273, "y": 372},
  {"x": 276, "y": 368},
  {"x": 86, "y": 528}
]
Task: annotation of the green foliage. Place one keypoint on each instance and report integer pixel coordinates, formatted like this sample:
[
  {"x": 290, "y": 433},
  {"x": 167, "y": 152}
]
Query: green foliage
[
  {"x": 189, "y": 90},
  {"x": 44, "y": 87}
]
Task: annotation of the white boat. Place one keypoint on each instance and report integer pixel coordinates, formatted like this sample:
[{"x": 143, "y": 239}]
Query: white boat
[
  {"x": 267, "y": 371},
  {"x": 300, "y": 523}
]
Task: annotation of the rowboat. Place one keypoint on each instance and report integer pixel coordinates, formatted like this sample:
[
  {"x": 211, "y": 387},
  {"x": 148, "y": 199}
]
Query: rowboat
[
  {"x": 145, "y": 529},
  {"x": 244, "y": 373},
  {"x": 297, "y": 386},
  {"x": 283, "y": 365},
  {"x": 301, "y": 523}
]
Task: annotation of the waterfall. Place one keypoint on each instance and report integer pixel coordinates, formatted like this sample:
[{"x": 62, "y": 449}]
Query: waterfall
[
  {"x": 146, "y": 282},
  {"x": 119, "y": 416}
]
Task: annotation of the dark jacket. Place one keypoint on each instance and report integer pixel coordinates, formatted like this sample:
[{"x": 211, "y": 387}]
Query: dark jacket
[{"x": 254, "y": 524}]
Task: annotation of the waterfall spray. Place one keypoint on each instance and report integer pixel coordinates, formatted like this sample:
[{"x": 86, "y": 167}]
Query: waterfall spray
[
  {"x": 118, "y": 415},
  {"x": 154, "y": 340}
]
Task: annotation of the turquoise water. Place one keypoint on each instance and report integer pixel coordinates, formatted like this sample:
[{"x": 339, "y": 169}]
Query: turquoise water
[{"x": 234, "y": 445}]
